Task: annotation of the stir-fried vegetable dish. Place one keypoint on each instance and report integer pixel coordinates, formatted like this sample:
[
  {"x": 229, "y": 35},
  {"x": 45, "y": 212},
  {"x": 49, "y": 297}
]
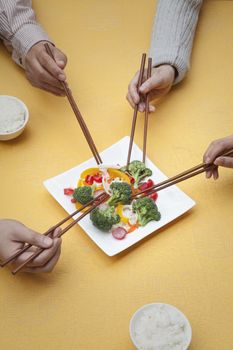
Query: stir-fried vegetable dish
[{"x": 120, "y": 214}]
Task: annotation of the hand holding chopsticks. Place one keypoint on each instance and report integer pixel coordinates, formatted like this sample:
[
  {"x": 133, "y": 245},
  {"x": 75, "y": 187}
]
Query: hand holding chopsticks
[
  {"x": 13, "y": 235},
  {"x": 78, "y": 114},
  {"x": 94, "y": 203},
  {"x": 214, "y": 153}
]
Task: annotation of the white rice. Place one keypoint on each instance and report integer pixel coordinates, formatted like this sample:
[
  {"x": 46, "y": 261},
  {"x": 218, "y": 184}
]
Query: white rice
[
  {"x": 12, "y": 115},
  {"x": 161, "y": 328}
]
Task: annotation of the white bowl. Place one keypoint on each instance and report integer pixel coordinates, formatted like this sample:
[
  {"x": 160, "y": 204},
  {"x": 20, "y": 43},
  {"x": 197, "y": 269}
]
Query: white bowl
[
  {"x": 13, "y": 134},
  {"x": 141, "y": 312}
]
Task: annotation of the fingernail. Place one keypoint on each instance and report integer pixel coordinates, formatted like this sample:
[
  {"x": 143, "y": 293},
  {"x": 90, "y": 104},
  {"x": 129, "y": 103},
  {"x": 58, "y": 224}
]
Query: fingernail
[
  {"x": 47, "y": 240},
  {"x": 61, "y": 62},
  {"x": 207, "y": 160}
]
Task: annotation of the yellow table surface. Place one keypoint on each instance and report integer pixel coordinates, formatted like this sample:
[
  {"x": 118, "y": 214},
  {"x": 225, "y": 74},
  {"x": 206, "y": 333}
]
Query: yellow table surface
[{"x": 87, "y": 302}]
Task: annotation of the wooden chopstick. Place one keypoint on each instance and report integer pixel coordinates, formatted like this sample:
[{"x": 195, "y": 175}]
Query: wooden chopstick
[
  {"x": 78, "y": 114},
  {"x": 196, "y": 170},
  {"x": 140, "y": 80},
  {"x": 40, "y": 250},
  {"x": 49, "y": 231},
  {"x": 149, "y": 69}
]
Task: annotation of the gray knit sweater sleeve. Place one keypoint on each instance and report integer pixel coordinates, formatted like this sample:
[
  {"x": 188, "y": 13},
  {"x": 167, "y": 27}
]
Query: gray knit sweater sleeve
[{"x": 173, "y": 33}]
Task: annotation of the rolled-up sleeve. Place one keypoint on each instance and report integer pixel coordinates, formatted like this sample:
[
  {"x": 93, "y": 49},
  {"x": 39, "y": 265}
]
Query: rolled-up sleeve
[
  {"x": 173, "y": 33},
  {"x": 19, "y": 28}
]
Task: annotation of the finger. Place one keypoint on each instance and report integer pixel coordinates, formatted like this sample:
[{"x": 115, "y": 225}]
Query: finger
[
  {"x": 57, "y": 232},
  {"x": 133, "y": 90},
  {"x": 51, "y": 66},
  {"x": 141, "y": 107},
  {"x": 48, "y": 267},
  {"x": 209, "y": 174},
  {"x": 130, "y": 100},
  {"x": 41, "y": 259},
  {"x": 45, "y": 255},
  {"x": 150, "y": 84},
  {"x": 53, "y": 90},
  {"x": 151, "y": 108},
  {"x": 59, "y": 57},
  {"x": 224, "y": 161},
  {"x": 215, "y": 173},
  {"x": 26, "y": 235},
  {"x": 47, "y": 78},
  {"x": 37, "y": 76}
]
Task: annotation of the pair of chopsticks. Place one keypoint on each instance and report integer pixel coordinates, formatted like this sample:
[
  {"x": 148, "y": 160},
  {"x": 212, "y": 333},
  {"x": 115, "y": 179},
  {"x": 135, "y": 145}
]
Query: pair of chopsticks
[
  {"x": 198, "y": 169},
  {"x": 77, "y": 113},
  {"x": 134, "y": 121}
]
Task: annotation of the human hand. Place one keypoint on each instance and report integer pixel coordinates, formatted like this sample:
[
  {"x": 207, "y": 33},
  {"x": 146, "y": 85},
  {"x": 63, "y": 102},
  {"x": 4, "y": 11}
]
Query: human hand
[
  {"x": 14, "y": 235},
  {"x": 157, "y": 86},
  {"x": 42, "y": 71},
  {"x": 213, "y": 155}
]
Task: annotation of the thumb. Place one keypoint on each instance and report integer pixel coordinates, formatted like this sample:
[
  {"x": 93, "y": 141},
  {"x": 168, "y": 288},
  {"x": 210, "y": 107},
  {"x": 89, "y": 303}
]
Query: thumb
[
  {"x": 150, "y": 84},
  {"x": 224, "y": 161},
  {"x": 27, "y": 235}
]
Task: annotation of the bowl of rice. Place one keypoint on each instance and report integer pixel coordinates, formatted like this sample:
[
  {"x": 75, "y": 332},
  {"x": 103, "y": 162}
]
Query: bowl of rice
[
  {"x": 160, "y": 326},
  {"x": 13, "y": 117}
]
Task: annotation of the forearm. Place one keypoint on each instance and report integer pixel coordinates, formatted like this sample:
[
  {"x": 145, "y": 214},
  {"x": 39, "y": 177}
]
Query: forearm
[
  {"x": 173, "y": 33},
  {"x": 19, "y": 29}
]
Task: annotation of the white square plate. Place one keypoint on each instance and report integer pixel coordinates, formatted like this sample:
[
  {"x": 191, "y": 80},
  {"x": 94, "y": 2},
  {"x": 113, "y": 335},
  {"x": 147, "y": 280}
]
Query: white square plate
[{"x": 171, "y": 202}]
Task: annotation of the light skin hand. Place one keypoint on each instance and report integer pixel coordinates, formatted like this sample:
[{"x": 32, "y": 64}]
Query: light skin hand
[
  {"x": 14, "y": 235},
  {"x": 213, "y": 155},
  {"x": 157, "y": 86},
  {"x": 42, "y": 71}
]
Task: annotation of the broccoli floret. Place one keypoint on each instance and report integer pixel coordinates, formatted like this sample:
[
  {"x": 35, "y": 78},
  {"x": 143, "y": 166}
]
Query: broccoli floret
[
  {"x": 137, "y": 170},
  {"x": 104, "y": 219},
  {"x": 83, "y": 194},
  {"x": 146, "y": 210},
  {"x": 121, "y": 193}
]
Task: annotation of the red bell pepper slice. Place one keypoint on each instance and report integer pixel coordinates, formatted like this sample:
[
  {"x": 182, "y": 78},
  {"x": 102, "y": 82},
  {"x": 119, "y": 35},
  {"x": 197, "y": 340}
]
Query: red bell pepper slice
[
  {"x": 68, "y": 191},
  {"x": 89, "y": 179},
  {"x": 154, "y": 196}
]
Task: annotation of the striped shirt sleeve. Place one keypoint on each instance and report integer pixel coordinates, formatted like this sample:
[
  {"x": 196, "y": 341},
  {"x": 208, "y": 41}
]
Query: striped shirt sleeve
[
  {"x": 173, "y": 33},
  {"x": 19, "y": 29}
]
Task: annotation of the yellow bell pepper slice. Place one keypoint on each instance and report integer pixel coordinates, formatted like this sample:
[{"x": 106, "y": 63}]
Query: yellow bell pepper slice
[
  {"x": 115, "y": 173},
  {"x": 119, "y": 211}
]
